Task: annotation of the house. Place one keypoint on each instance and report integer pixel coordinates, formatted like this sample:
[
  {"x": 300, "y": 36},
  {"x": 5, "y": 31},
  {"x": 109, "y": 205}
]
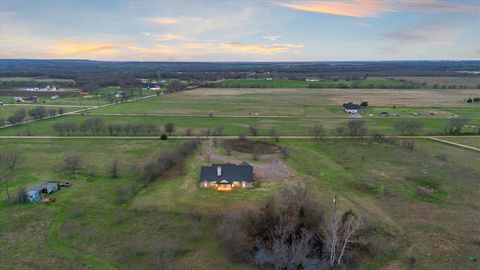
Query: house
[
  {"x": 384, "y": 114},
  {"x": 56, "y": 97},
  {"x": 225, "y": 177},
  {"x": 18, "y": 99},
  {"x": 32, "y": 99},
  {"x": 34, "y": 194},
  {"x": 351, "y": 108}
]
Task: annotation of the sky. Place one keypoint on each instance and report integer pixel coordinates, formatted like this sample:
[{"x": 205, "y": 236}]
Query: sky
[{"x": 241, "y": 30}]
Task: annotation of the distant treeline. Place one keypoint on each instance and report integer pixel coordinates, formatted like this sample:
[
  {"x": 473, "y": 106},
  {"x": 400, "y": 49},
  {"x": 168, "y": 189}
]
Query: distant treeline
[
  {"x": 38, "y": 112},
  {"x": 94, "y": 74}
]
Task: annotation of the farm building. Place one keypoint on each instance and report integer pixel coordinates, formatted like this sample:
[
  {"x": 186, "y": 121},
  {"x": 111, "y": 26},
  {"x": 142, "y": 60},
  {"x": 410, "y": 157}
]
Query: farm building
[
  {"x": 225, "y": 177},
  {"x": 351, "y": 108},
  {"x": 34, "y": 194}
]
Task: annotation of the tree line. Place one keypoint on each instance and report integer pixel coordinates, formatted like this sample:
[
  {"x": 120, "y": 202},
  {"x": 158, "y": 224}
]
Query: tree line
[{"x": 38, "y": 112}]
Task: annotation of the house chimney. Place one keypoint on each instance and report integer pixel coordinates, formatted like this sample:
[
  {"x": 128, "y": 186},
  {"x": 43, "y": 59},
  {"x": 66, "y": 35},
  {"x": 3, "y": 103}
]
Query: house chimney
[{"x": 219, "y": 170}]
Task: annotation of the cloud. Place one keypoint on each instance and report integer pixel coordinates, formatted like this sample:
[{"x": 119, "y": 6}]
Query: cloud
[
  {"x": 258, "y": 48},
  {"x": 172, "y": 20},
  {"x": 374, "y": 8},
  {"x": 169, "y": 37},
  {"x": 353, "y": 8},
  {"x": 70, "y": 47},
  {"x": 272, "y": 37}
]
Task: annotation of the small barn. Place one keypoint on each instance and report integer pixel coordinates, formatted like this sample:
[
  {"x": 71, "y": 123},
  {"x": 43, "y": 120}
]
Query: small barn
[
  {"x": 225, "y": 177},
  {"x": 34, "y": 194}
]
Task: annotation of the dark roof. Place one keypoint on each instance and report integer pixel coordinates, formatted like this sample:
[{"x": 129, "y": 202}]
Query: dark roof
[
  {"x": 351, "y": 106},
  {"x": 229, "y": 172}
]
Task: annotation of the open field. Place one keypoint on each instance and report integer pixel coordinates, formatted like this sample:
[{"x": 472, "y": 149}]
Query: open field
[
  {"x": 35, "y": 79},
  {"x": 371, "y": 82},
  {"x": 232, "y": 125},
  {"x": 173, "y": 222},
  {"x": 290, "y": 111},
  {"x": 470, "y": 82}
]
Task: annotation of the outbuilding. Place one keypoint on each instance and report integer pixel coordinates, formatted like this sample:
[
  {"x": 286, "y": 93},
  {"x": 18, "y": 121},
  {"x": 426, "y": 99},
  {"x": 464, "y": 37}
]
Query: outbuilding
[{"x": 34, "y": 194}]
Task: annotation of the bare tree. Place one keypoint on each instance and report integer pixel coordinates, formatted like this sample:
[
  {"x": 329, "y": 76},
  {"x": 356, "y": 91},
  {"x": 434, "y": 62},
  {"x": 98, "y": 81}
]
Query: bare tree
[
  {"x": 284, "y": 151},
  {"x": 188, "y": 132},
  {"x": 317, "y": 130},
  {"x": 256, "y": 152},
  {"x": 454, "y": 125},
  {"x": 169, "y": 128},
  {"x": 356, "y": 127},
  {"x": 274, "y": 133},
  {"x": 114, "y": 168},
  {"x": 94, "y": 125},
  {"x": 253, "y": 130},
  {"x": 10, "y": 160},
  {"x": 71, "y": 162},
  {"x": 408, "y": 126},
  {"x": 218, "y": 131}
]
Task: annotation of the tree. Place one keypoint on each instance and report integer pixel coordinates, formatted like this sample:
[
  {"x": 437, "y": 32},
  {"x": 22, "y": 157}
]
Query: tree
[
  {"x": 364, "y": 104},
  {"x": 454, "y": 125},
  {"x": 10, "y": 160},
  {"x": 218, "y": 131},
  {"x": 256, "y": 152},
  {"x": 72, "y": 162},
  {"x": 317, "y": 131},
  {"x": 407, "y": 126},
  {"x": 17, "y": 117},
  {"x": 174, "y": 86},
  {"x": 114, "y": 168},
  {"x": 38, "y": 112},
  {"x": 169, "y": 128},
  {"x": 94, "y": 125},
  {"x": 188, "y": 132},
  {"x": 52, "y": 112},
  {"x": 253, "y": 130},
  {"x": 356, "y": 127},
  {"x": 61, "y": 110},
  {"x": 274, "y": 133},
  {"x": 59, "y": 127}
]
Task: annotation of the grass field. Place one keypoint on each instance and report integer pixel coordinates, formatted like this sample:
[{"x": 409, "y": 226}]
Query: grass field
[
  {"x": 173, "y": 222},
  {"x": 371, "y": 82},
  {"x": 470, "y": 82},
  {"x": 35, "y": 79}
]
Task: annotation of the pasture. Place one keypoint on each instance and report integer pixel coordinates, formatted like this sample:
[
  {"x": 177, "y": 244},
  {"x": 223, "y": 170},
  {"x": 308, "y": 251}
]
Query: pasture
[{"x": 173, "y": 222}]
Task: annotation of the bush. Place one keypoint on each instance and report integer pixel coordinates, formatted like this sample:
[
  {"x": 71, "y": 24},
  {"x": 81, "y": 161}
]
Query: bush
[{"x": 163, "y": 137}]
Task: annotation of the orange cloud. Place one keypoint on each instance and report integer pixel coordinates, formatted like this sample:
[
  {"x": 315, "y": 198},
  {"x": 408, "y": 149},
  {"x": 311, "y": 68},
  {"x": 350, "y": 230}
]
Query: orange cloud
[
  {"x": 169, "y": 36},
  {"x": 68, "y": 47},
  {"x": 353, "y": 8},
  {"x": 259, "y": 48}
]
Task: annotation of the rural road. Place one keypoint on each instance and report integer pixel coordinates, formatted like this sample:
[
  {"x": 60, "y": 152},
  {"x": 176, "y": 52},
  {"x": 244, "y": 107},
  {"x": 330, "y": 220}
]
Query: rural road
[{"x": 456, "y": 144}]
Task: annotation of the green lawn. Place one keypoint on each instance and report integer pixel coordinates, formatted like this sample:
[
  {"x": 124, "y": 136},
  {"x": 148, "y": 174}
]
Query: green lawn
[{"x": 232, "y": 126}]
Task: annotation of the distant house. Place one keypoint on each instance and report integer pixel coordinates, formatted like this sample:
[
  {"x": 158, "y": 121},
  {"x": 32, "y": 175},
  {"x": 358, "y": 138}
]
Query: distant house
[
  {"x": 18, "y": 99},
  {"x": 32, "y": 99},
  {"x": 225, "y": 177},
  {"x": 351, "y": 108},
  {"x": 384, "y": 114},
  {"x": 35, "y": 193},
  {"x": 56, "y": 97}
]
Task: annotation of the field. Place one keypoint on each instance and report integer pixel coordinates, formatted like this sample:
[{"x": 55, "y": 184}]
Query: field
[
  {"x": 290, "y": 111},
  {"x": 175, "y": 212},
  {"x": 458, "y": 82},
  {"x": 35, "y": 79},
  {"x": 371, "y": 82},
  {"x": 173, "y": 224}
]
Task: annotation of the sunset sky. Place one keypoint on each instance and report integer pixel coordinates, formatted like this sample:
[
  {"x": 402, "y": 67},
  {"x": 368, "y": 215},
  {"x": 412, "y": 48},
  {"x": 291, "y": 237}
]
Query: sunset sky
[{"x": 240, "y": 30}]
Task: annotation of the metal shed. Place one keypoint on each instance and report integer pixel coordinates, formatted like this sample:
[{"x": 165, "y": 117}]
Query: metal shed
[{"x": 34, "y": 194}]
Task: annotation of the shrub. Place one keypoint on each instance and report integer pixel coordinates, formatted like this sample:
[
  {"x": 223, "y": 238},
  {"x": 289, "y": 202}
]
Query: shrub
[{"x": 163, "y": 137}]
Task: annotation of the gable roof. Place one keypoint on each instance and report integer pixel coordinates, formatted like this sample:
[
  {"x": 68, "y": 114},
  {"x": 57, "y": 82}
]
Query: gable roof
[
  {"x": 351, "y": 106},
  {"x": 229, "y": 172}
]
